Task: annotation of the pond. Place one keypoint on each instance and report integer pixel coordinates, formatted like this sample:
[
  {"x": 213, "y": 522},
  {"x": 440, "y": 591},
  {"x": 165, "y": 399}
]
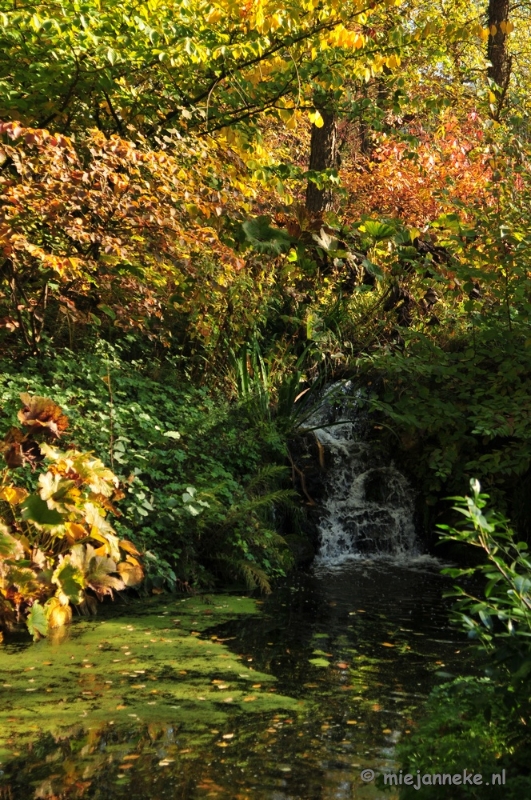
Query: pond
[{"x": 227, "y": 697}]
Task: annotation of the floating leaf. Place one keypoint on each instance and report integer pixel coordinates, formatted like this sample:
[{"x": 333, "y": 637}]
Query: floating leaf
[{"x": 319, "y": 662}]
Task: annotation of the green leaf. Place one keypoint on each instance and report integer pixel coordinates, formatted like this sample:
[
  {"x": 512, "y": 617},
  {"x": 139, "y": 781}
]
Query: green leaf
[
  {"x": 319, "y": 662},
  {"x": 378, "y": 230},
  {"x": 9, "y": 545},
  {"x": 173, "y": 434},
  {"x": 36, "y": 621},
  {"x": 264, "y": 238},
  {"x": 35, "y": 509},
  {"x": 106, "y": 310},
  {"x": 70, "y": 580}
]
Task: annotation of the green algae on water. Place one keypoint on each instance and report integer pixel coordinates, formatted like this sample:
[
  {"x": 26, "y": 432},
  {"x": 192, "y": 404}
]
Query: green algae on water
[{"x": 151, "y": 662}]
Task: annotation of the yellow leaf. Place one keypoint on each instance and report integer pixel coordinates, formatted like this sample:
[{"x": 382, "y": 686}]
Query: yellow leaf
[
  {"x": 214, "y": 16},
  {"x": 316, "y": 119},
  {"x": 131, "y": 574},
  {"x": 129, "y": 547},
  {"x": 292, "y": 122},
  {"x": 74, "y": 531},
  {"x": 393, "y": 61},
  {"x": 13, "y": 495}
]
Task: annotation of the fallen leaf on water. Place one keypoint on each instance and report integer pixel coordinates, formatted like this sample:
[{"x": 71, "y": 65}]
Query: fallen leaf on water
[
  {"x": 342, "y": 665},
  {"x": 257, "y": 685},
  {"x": 352, "y": 721},
  {"x": 227, "y": 700},
  {"x": 387, "y": 644},
  {"x": 138, "y": 686},
  {"x": 249, "y": 699},
  {"x": 131, "y": 757},
  {"x": 228, "y": 736},
  {"x": 222, "y": 744},
  {"x": 387, "y": 730},
  {"x": 120, "y": 708},
  {"x": 166, "y": 761}
]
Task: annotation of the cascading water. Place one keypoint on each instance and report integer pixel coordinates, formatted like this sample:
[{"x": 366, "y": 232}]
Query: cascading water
[{"x": 368, "y": 508}]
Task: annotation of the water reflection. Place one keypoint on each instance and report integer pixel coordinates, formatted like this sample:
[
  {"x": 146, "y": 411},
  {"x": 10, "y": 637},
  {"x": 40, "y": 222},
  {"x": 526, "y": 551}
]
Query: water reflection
[{"x": 361, "y": 646}]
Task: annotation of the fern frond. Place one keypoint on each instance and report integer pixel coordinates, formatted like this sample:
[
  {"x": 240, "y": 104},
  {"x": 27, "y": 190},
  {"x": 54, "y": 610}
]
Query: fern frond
[
  {"x": 255, "y": 578},
  {"x": 268, "y": 475}
]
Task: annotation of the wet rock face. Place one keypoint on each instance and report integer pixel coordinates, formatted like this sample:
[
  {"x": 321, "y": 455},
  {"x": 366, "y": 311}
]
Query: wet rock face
[{"x": 359, "y": 503}]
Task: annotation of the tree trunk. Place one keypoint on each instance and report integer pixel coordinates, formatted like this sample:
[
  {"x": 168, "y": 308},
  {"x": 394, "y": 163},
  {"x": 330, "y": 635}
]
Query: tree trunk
[
  {"x": 497, "y": 50},
  {"x": 323, "y": 155}
]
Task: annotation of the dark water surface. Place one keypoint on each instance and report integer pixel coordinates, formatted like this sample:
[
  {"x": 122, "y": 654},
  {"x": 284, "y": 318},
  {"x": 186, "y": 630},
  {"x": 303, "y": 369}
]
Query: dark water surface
[{"x": 288, "y": 703}]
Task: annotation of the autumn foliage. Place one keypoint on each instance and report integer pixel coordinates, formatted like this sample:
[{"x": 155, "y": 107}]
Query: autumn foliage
[
  {"x": 57, "y": 546},
  {"x": 107, "y": 226},
  {"x": 415, "y": 179}
]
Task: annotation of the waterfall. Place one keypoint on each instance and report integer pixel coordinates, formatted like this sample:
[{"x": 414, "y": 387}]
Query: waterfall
[{"x": 369, "y": 505}]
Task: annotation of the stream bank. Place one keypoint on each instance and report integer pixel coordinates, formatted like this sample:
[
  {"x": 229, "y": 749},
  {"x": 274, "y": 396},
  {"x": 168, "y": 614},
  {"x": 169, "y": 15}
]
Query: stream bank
[{"x": 222, "y": 697}]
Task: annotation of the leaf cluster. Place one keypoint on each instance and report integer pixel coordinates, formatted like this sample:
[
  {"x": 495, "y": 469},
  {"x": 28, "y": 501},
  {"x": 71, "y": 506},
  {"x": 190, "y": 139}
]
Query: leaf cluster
[{"x": 57, "y": 546}]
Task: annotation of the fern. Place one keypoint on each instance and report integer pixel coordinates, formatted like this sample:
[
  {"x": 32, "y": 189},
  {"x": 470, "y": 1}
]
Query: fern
[{"x": 252, "y": 574}]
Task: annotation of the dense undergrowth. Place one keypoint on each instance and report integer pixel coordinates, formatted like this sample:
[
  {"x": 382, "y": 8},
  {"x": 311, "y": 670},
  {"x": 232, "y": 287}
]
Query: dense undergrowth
[
  {"x": 479, "y": 724},
  {"x": 199, "y": 477}
]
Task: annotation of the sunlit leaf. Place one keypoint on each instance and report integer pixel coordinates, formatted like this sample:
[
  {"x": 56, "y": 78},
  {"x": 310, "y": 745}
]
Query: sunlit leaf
[{"x": 36, "y": 621}]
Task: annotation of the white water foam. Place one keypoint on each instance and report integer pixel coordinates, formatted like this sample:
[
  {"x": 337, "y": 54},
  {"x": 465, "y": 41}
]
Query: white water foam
[{"x": 369, "y": 506}]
